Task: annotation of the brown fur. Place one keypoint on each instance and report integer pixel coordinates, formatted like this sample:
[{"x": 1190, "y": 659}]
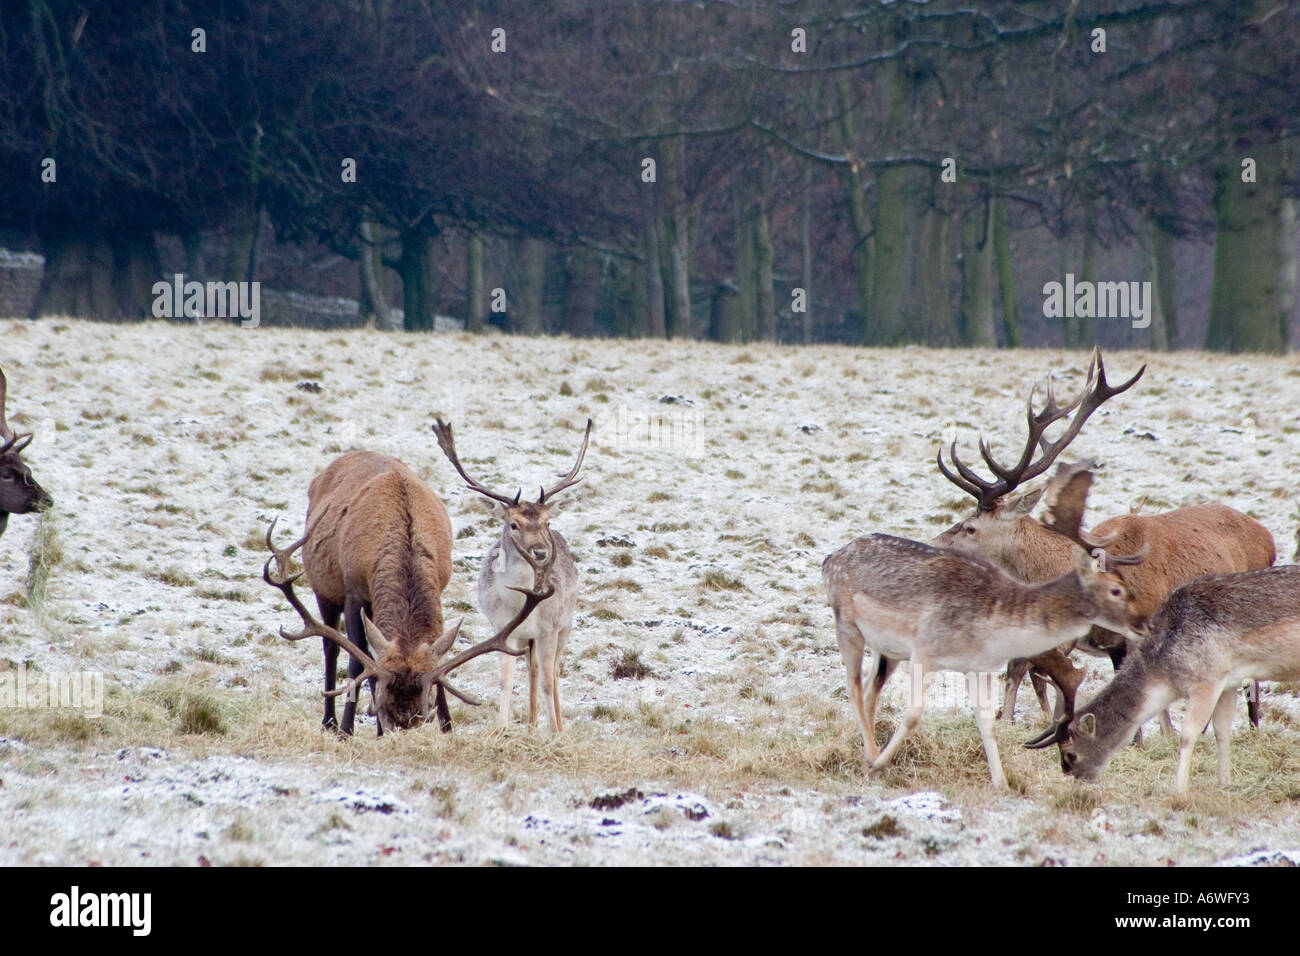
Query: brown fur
[{"x": 383, "y": 548}]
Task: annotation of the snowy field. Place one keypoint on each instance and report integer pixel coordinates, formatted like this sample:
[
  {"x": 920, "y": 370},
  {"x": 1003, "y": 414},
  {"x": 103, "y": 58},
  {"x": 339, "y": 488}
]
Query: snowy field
[{"x": 699, "y": 542}]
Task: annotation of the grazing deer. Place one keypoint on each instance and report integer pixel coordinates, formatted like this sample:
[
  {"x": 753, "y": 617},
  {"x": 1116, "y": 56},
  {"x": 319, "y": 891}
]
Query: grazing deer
[
  {"x": 943, "y": 609},
  {"x": 529, "y": 555},
  {"x": 1180, "y": 545},
  {"x": 19, "y": 493},
  {"x": 1210, "y": 635},
  {"x": 378, "y": 551}
]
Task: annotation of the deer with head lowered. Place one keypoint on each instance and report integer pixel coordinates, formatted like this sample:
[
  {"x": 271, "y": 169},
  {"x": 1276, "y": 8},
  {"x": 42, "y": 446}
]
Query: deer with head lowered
[
  {"x": 942, "y": 609},
  {"x": 1180, "y": 544},
  {"x": 19, "y": 492},
  {"x": 529, "y": 555},
  {"x": 377, "y": 550},
  {"x": 1208, "y": 636}
]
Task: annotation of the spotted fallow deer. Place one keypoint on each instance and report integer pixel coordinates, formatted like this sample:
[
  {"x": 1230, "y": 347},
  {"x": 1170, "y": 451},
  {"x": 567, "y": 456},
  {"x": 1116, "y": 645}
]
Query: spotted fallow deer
[
  {"x": 943, "y": 609},
  {"x": 19, "y": 492},
  {"x": 528, "y": 555},
  {"x": 377, "y": 550},
  {"x": 1211, "y": 634},
  {"x": 1180, "y": 545}
]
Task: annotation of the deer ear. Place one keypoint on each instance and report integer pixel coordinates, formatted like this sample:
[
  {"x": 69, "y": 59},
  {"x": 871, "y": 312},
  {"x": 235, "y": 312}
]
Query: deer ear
[
  {"x": 1088, "y": 725},
  {"x": 1017, "y": 506},
  {"x": 1085, "y": 565}
]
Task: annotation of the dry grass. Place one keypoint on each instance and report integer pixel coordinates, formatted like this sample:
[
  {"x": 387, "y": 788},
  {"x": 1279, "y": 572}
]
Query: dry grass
[{"x": 45, "y": 556}]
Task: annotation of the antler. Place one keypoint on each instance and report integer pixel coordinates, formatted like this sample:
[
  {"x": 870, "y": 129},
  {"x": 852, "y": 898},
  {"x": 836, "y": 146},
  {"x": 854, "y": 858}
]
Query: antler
[
  {"x": 571, "y": 478},
  {"x": 283, "y": 558},
  {"x": 448, "y": 445},
  {"x": 7, "y": 436},
  {"x": 498, "y": 641},
  {"x": 1064, "y": 502},
  {"x": 1095, "y": 391}
]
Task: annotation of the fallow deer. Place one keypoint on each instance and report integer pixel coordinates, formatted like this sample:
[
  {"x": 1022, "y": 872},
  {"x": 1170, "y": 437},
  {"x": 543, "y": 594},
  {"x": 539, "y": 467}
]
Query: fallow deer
[
  {"x": 1180, "y": 545},
  {"x": 377, "y": 550},
  {"x": 529, "y": 555},
  {"x": 943, "y": 609},
  {"x": 1208, "y": 636},
  {"x": 19, "y": 492}
]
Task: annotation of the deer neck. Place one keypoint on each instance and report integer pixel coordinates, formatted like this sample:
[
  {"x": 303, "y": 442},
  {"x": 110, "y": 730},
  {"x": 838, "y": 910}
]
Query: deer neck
[
  {"x": 1059, "y": 606},
  {"x": 1038, "y": 553},
  {"x": 407, "y": 598},
  {"x": 512, "y": 567},
  {"x": 1135, "y": 695}
]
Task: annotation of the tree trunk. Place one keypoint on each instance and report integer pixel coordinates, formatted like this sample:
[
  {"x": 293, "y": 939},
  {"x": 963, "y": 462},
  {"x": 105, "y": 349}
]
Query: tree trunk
[
  {"x": 677, "y": 228},
  {"x": 1287, "y": 284},
  {"x": 1006, "y": 275},
  {"x": 415, "y": 268},
  {"x": 192, "y": 242},
  {"x": 97, "y": 276},
  {"x": 765, "y": 296},
  {"x": 582, "y": 289},
  {"x": 656, "y": 325},
  {"x": 1245, "y": 300},
  {"x": 526, "y": 304},
  {"x": 723, "y": 318},
  {"x": 746, "y": 304},
  {"x": 850, "y": 175},
  {"x": 928, "y": 301},
  {"x": 372, "y": 306},
  {"x": 1157, "y": 255},
  {"x": 976, "y": 324},
  {"x": 805, "y": 259},
  {"x": 241, "y": 252},
  {"x": 475, "y": 289}
]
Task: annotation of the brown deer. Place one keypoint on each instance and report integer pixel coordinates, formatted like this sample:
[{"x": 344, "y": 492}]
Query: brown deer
[
  {"x": 378, "y": 551},
  {"x": 1208, "y": 636},
  {"x": 19, "y": 492},
  {"x": 528, "y": 555},
  {"x": 1180, "y": 545},
  {"x": 943, "y": 609}
]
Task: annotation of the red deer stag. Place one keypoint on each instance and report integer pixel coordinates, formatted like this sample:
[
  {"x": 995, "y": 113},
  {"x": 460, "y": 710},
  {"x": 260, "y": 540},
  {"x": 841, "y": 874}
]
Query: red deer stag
[
  {"x": 19, "y": 492},
  {"x": 942, "y": 609},
  {"x": 528, "y": 555},
  {"x": 378, "y": 551},
  {"x": 1180, "y": 545},
  {"x": 1210, "y": 635}
]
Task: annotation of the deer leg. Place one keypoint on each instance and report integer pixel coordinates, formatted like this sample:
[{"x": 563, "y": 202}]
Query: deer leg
[
  {"x": 551, "y": 691},
  {"x": 534, "y": 673},
  {"x": 352, "y": 611},
  {"x": 440, "y": 707},
  {"x": 1200, "y": 704},
  {"x": 329, "y": 615},
  {"x": 1224, "y": 711},
  {"x": 507, "y": 686},
  {"x": 911, "y": 715},
  {"x": 1039, "y": 683},
  {"x": 1060, "y": 670},
  {"x": 852, "y": 647},
  {"x": 1016, "y": 671},
  {"x": 984, "y": 719}
]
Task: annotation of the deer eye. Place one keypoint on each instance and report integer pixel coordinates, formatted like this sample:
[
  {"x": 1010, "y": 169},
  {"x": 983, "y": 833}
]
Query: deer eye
[
  {"x": 970, "y": 530},
  {"x": 514, "y": 526},
  {"x": 1116, "y": 592}
]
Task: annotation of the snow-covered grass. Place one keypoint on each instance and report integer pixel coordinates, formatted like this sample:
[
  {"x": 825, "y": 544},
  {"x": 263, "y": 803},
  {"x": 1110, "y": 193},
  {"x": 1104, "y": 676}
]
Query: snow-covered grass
[{"x": 718, "y": 479}]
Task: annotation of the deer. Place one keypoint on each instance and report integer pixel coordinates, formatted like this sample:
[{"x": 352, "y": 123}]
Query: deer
[
  {"x": 528, "y": 555},
  {"x": 377, "y": 550},
  {"x": 943, "y": 609},
  {"x": 19, "y": 492},
  {"x": 1208, "y": 636},
  {"x": 1181, "y": 544}
]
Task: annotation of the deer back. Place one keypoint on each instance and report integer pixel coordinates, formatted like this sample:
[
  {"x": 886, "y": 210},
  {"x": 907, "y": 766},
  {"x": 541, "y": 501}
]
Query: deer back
[
  {"x": 385, "y": 540},
  {"x": 1186, "y": 543}
]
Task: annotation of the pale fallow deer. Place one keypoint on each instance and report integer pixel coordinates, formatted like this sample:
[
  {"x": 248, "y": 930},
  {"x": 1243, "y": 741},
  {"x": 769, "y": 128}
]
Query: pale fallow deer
[
  {"x": 529, "y": 555},
  {"x": 19, "y": 492},
  {"x": 943, "y": 609},
  {"x": 377, "y": 550},
  {"x": 1180, "y": 545},
  {"x": 1211, "y": 634}
]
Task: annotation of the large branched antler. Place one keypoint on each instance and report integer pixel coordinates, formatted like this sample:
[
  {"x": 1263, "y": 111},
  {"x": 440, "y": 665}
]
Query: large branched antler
[
  {"x": 370, "y": 667},
  {"x": 571, "y": 478},
  {"x": 498, "y": 641},
  {"x": 1096, "y": 390},
  {"x": 447, "y": 442},
  {"x": 9, "y": 440}
]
